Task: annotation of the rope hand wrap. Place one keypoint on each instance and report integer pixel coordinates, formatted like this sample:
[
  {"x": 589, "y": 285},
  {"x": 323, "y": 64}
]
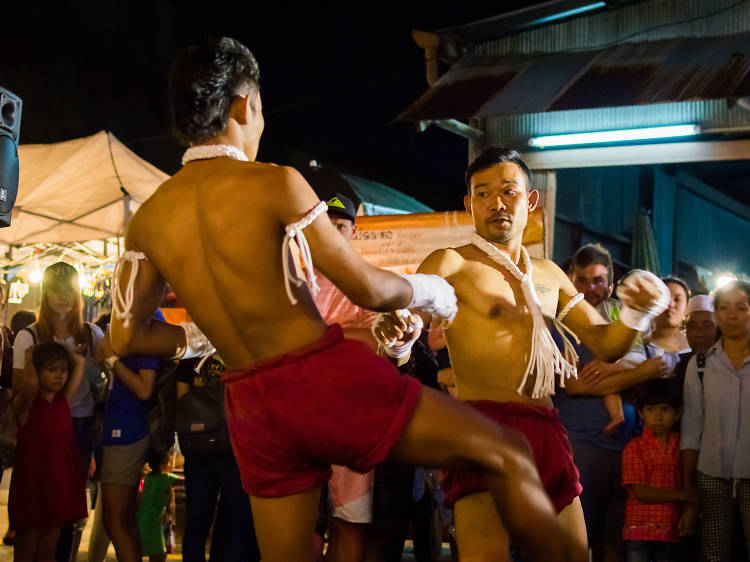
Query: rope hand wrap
[
  {"x": 433, "y": 294},
  {"x": 571, "y": 355},
  {"x": 638, "y": 318},
  {"x": 295, "y": 231},
  {"x": 389, "y": 347},
  {"x": 545, "y": 358},
  {"x": 123, "y": 304}
]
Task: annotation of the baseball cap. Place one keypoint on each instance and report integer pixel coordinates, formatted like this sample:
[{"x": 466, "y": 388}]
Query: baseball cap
[
  {"x": 698, "y": 303},
  {"x": 60, "y": 273},
  {"x": 341, "y": 205}
]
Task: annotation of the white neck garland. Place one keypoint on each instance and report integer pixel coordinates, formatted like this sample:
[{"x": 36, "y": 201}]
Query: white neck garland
[
  {"x": 205, "y": 151},
  {"x": 545, "y": 358}
]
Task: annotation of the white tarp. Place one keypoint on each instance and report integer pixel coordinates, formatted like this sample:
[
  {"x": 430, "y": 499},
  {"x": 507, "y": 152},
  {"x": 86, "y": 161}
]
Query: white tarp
[{"x": 70, "y": 191}]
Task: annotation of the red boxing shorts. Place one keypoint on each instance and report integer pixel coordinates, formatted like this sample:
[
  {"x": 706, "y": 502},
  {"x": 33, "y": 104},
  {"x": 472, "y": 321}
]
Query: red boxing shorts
[
  {"x": 332, "y": 402},
  {"x": 549, "y": 444}
]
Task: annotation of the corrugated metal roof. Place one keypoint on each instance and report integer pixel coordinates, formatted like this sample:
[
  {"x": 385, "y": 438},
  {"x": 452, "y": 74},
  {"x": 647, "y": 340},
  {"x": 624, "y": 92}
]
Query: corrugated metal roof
[
  {"x": 652, "y": 20},
  {"x": 645, "y": 73}
]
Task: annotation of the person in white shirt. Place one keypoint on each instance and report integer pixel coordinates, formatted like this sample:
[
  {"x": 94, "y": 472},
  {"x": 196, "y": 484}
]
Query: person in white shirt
[{"x": 715, "y": 438}]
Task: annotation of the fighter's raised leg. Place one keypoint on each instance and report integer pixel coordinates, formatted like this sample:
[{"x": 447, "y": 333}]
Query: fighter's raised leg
[{"x": 446, "y": 433}]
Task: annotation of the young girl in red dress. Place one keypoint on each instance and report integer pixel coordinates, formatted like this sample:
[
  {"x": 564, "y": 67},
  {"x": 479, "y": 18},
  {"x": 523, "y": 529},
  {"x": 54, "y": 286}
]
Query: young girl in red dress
[{"x": 45, "y": 489}]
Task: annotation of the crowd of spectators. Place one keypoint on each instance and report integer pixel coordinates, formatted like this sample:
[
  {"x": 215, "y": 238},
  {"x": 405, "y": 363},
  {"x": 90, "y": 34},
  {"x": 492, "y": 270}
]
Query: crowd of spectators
[{"x": 661, "y": 437}]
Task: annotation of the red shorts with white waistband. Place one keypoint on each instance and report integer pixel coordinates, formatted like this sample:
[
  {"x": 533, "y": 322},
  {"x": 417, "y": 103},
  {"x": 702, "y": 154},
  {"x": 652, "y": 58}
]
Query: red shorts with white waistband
[
  {"x": 549, "y": 444},
  {"x": 332, "y": 402}
]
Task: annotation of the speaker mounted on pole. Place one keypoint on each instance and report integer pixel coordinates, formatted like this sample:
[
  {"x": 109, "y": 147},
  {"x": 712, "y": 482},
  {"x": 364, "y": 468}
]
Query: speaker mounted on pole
[{"x": 10, "y": 129}]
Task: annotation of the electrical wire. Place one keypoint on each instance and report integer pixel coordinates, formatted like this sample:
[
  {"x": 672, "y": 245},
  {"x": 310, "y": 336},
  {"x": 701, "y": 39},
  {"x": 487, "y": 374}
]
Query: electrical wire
[{"x": 654, "y": 28}]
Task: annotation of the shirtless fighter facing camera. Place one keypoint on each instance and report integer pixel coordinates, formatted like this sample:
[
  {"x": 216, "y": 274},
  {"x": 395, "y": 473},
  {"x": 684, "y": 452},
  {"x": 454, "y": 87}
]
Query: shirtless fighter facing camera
[{"x": 502, "y": 352}]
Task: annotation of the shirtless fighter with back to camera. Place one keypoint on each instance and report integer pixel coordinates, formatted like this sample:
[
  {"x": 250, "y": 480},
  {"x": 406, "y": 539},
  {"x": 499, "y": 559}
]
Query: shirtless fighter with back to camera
[
  {"x": 502, "y": 352},
  {"x": 215, "y": 232}
]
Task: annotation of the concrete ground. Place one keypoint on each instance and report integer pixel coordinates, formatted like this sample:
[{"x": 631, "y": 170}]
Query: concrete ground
[{"x": 6, "y": 552}]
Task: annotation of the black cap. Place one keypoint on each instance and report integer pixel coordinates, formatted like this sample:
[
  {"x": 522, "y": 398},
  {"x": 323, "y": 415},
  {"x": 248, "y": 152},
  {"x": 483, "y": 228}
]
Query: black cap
[{"x": 341, "y": 205}]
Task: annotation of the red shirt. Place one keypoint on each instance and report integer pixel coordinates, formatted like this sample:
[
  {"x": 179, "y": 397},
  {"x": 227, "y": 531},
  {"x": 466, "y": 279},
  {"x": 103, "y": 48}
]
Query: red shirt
[{"x": 645, "y": 461}]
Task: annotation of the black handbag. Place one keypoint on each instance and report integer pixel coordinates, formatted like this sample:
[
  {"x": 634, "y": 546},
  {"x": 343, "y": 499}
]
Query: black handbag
[{"x": 8, "y": 429}]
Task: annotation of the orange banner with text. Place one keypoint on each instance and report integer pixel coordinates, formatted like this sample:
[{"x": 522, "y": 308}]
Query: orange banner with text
[{"x": 401, "y": 242}]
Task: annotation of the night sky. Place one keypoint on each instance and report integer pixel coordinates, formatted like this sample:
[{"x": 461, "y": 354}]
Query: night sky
[{"x": 332, "y": 80}]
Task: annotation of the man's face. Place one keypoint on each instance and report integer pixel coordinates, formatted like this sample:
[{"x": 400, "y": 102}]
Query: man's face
[
  {"x": 593, "y": 282},
  {"x": 500, "y": 202},
  {"x": 346, "y": 227},
  {"x": 700, "y": 329}
]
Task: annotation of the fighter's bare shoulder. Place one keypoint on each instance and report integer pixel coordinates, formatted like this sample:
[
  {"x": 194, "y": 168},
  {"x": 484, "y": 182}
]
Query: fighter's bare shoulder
[
  {"x": 548, "y": 266},
  {"x": 553, "y": 276},
  {"x": 292, "y": 196},
  {"x": 446, "y": 263}
]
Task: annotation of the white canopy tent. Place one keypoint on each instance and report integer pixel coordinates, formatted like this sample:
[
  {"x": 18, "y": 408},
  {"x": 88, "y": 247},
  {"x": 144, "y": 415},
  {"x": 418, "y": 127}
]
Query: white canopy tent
[{"x": 76, "y": 191}]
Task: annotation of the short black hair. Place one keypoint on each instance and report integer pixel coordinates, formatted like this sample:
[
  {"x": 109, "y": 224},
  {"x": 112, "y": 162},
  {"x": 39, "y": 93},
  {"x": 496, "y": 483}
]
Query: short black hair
[
  {"x": 157, "y": 459},
  {"x": 659, "y": 391},
  {"x": 593, "y": 254},
  {"x": 678, "y": 281},
  {"x": 48, "y": 353},
  {"x": 722, "y": 291},
  {"x": 22, "y": 319},
  {"x": 202, "y": 82},
  {"x": 496, "y": 155}
]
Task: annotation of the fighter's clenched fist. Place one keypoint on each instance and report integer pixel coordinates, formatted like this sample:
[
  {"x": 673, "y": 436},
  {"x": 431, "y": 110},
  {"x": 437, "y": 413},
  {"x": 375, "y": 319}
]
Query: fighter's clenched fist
[
  {"x": 644, "y": 296},
  {"x": 397, "y": 331}
]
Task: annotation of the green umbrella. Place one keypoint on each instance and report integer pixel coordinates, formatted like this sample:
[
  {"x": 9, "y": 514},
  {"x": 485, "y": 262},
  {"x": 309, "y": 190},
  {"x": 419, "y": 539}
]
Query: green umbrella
[{"x": 643, "y": 254}]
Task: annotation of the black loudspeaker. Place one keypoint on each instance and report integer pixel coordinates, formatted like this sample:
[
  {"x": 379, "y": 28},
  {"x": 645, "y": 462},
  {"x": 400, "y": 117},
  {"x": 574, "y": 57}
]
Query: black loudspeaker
[{"x": 10, "y": 128}]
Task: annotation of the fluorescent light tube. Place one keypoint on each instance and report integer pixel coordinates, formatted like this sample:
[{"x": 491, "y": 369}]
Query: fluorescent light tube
[
  {"x": 616, "y": 136},
  {"x": 569, "y": 13}
]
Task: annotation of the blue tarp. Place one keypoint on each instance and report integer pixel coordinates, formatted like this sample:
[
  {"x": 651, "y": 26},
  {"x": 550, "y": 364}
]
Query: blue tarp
[{"x": 379, "y": 199}]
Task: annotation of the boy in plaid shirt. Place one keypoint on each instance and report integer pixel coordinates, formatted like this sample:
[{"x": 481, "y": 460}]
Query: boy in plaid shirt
[{"x": 652, "y": 474}]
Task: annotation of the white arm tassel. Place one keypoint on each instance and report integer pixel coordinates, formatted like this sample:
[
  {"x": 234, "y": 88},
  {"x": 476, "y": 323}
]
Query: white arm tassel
[
  {"x": 123, "y": 304},
  {"x": 295, "y": 230},
  {"x": 571, "y": 356}
]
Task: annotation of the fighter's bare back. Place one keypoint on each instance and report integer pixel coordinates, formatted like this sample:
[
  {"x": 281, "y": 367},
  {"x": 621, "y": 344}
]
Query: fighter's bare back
[{"x": 214, "y": 232}]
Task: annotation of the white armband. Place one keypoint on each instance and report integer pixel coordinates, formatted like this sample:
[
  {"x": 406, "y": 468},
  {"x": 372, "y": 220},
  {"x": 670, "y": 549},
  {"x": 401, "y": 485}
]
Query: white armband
[
  {"x": 296, "y": 232},
  {"x": 432, "y": 294},
  {"x": 635, "y": 319},
  {"x": 122, "y": 303}
]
